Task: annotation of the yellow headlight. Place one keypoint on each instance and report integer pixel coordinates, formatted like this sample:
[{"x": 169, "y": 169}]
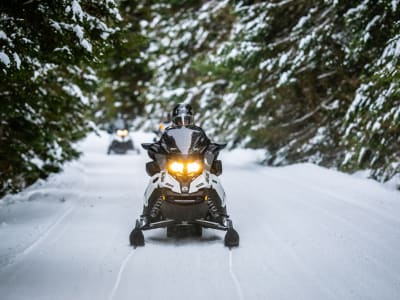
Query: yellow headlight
[
  {"x": 176, "y": 167},
  {"x": 194, "y": 167},
  {"x": 122, "y": 132}
]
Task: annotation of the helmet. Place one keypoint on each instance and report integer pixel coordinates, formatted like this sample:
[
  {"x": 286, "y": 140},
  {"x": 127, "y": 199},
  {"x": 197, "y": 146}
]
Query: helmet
[{"x": 182, "y": 115}]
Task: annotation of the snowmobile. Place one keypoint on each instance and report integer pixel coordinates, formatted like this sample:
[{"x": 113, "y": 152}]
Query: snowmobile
[
  {"x": 120, "y": 139},
  {"x": 121, "y": 142},
  {"x": 184, "y": 192}
]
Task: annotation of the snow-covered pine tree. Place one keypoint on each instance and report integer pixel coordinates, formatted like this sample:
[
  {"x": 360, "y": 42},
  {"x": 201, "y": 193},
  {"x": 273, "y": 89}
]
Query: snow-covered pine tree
[
  {"x": 309, "y": 81},
  {"x": 125, "y": 72},
  {"x": 47, "y": 53},
  {"x": 182, "y": 34},
  {"x": 372, "y": 122}
]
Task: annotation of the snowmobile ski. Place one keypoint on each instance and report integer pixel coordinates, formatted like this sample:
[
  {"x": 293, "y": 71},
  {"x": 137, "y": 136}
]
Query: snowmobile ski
[{"x": 136, "y": 237}]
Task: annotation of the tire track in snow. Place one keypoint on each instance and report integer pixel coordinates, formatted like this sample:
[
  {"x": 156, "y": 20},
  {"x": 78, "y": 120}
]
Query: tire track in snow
[
  {"x": 234, "y": 278},
  {"x": 47, "y": 233},
  {"x": 121, "y": 271},
  {"x": 43, "y": 236}
]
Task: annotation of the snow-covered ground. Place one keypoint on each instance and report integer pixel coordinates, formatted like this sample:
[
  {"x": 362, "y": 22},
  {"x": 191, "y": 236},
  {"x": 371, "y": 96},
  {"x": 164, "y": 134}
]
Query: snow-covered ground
[{"x": 306, "y": 233}]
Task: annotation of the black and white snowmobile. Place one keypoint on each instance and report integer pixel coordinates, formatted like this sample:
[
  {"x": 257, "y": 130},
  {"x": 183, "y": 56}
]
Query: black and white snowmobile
[
  {"x": 120, "y": 140},
  {"x": 184, "y": 192}
]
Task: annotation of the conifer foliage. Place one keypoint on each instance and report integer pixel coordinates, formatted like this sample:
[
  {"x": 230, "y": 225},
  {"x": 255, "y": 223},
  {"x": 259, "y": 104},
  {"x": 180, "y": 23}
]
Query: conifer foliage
[
  {"x": 306, "y": 80},
  {"x": 124, "y": 72},
  {"x": 309, "y": 81},
  {"x": 48, "y": 51}
]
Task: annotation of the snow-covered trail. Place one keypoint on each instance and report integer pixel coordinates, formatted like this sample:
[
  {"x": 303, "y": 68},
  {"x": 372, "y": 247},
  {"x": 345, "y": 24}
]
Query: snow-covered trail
[{"x": 306, "y": 233}]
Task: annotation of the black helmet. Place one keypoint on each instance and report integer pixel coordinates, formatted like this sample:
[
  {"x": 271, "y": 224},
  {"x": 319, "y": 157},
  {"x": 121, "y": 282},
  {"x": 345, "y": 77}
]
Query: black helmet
[{"x": 182, "y": 115}]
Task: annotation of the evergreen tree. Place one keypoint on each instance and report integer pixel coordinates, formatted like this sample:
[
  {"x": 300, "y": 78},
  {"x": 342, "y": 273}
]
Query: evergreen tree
[
  {"x": 124, "y": 73},
  {"x": 47, "y": 53},
  {"x": 309, "y": 81},
  {"x": 372, "y": 127}
]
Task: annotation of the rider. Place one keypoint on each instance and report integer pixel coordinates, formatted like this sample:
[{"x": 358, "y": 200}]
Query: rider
[{"x": 182, "y": 116}]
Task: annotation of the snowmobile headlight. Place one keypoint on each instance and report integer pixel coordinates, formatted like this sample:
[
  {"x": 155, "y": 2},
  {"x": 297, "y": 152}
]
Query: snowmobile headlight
[
  {"x": 194, "y": 167},
  {"x": 122, "y": 132},
  {"x": 176, "y": 167}
]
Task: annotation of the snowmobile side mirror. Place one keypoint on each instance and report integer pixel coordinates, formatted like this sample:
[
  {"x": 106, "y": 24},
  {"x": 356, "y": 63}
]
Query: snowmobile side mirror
[
  {"x": 215, "y": 147},
  {"x": 152, "y": 168},
  {"x": 220, "y": 146},
  {"x": 146, "y": 146},
  {"x": 216, "y": 167}
]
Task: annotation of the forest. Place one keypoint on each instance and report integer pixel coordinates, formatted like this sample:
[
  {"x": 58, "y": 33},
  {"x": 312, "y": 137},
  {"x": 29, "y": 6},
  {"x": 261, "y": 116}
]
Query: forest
[{"x": 307, "y": 81}]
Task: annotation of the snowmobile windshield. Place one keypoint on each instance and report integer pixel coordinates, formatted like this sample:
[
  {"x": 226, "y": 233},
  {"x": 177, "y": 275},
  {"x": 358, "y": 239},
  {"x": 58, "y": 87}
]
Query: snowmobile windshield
[{"x": 185, "y": 141}]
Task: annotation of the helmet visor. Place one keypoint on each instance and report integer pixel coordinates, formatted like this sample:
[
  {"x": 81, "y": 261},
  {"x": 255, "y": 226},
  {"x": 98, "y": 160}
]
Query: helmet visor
[{"x": 183, "y": 120}]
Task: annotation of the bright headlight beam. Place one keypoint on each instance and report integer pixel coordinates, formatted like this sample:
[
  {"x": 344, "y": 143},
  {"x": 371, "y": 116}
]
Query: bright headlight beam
[
  {"x": 121, "y": 132},
  {"x": 176, "y": 167},
  {"x": 193, "y": 167}
]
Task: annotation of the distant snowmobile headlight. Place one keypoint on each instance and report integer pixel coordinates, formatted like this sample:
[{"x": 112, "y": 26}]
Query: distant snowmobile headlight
[
  {"x": 176, "y": 167},
  {"x": 194, "y": 167},
  {"x": 122, "y": 132}
]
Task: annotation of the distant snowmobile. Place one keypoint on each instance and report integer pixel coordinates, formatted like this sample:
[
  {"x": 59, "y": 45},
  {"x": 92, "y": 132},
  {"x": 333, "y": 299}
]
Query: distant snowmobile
[
  {"x": 184, "y": 192},
  {"x": 121, "y": 141}
]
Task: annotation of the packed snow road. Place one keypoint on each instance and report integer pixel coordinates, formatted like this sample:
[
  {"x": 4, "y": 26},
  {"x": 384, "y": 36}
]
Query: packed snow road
[{"x": 306, "y": 233}]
